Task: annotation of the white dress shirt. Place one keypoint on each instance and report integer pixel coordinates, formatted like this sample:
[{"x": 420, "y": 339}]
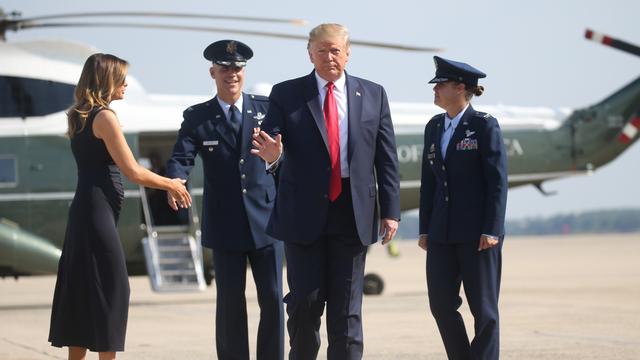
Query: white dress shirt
[{"x": 340, "y": 94}]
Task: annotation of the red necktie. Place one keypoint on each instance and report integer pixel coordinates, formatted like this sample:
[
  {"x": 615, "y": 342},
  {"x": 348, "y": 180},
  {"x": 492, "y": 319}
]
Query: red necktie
[{"x": 333, "y": 136}]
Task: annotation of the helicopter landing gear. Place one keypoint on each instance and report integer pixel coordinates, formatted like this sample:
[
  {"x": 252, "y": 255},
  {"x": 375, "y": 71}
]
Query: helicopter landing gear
[{"x": 209, "y": 274}]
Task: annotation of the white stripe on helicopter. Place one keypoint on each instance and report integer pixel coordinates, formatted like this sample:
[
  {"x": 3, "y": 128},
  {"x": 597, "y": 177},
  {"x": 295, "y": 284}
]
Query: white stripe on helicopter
[{"x": 409, "y": 184}]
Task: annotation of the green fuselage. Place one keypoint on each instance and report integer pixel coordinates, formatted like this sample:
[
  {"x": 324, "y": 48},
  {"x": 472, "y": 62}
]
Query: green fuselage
[
  {"x": 35, "y": 198},
  {"x": 46, "y": 180}
]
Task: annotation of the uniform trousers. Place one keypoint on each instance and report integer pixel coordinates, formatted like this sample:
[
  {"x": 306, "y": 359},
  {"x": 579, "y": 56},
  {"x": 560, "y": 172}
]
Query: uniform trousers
[
  {"x": 231, "y": 306},
  {"x": 449, "y": 266}
]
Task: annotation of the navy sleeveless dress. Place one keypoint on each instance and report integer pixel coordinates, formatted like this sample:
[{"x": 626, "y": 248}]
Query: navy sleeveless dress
[{"x": 91, "y": 299}]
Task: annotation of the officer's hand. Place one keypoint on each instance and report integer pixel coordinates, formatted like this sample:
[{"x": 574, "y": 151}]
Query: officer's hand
[
  {"x": 422, "y": 241},
  {"x": 388, "y": 228},
  {"x": 268, "y": 148},
  {"x": 487, "y": 242},
  {"x": 179, "y": 193},
  {"x": 173, "y": 203}
]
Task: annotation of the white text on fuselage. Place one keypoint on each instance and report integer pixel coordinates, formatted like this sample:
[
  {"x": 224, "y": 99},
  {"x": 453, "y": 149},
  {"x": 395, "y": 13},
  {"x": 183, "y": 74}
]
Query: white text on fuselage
[
  {"x": 513, "y": 147},
  {"x": 412, "y": 153}
]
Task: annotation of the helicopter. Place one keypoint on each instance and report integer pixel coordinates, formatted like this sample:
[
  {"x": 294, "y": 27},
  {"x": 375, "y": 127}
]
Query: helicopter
[{"x": 37, "y": 171}]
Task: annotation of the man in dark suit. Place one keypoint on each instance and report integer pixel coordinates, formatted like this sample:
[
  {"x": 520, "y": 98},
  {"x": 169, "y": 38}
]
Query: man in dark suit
[
  {"x": 463, "y": 198},
  {"x": 238, "y": 199},
  {"x": 338, "y": 141}
]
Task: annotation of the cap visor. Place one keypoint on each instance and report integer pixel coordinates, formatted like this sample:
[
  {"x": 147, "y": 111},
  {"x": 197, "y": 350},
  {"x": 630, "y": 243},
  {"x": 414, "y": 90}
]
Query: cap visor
[
  {"x": 437, "y": 80},
  {"x": 231, "y": 63}
]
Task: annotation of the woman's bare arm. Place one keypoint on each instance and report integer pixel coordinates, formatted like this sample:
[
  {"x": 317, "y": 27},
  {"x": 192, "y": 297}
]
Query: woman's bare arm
[{"x": 107, "y": 127}]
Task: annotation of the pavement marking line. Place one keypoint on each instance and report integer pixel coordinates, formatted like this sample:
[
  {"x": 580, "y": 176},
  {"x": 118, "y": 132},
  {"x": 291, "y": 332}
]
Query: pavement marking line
[
  {"x": 25, "y": 307},
  {"x": 32, "y": 349},
  {"x": 160, "y": 302},
  {"x": 602, "y": 339}
]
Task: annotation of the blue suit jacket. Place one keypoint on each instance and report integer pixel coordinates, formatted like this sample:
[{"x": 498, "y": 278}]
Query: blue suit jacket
[
  {"x": 465, "y": 195},
  {"x": 238, "y": 193},
  {"x": 300, "y": 213}
]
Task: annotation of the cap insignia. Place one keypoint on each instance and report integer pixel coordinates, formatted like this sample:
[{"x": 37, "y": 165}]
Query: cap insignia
[{"x": 232, "y": 47}]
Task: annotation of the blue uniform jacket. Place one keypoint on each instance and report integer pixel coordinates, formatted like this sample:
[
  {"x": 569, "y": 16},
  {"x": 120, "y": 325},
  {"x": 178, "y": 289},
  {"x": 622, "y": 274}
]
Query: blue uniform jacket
[
  {"x": 238, "y": 192},
  {"x": 465, "y": 195},
  {"x": 302, "y": 204}
]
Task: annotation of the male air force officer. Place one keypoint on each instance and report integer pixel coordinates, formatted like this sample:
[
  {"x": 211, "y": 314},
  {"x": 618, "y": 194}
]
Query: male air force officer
[{"x": 238, "y": 198}]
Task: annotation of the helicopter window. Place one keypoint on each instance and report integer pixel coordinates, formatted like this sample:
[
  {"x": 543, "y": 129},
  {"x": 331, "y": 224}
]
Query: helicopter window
[
  {"x": 8, "y": 171},
  {"x": 24, "y": 97}
]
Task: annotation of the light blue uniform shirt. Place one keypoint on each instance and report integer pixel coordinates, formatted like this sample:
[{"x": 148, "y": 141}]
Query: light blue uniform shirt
[{"x": 449, "y": 128}]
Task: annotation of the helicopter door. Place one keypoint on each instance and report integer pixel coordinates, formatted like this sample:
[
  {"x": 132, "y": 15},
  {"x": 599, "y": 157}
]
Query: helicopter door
[{"x": 172, "y": 247}]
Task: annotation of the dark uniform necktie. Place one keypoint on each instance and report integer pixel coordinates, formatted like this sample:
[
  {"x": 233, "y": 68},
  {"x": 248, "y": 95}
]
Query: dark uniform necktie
[
  {"x": 235, "y": 120},
  {"x": 446, "y": 137},
  {"x": 330, "y": 110}
]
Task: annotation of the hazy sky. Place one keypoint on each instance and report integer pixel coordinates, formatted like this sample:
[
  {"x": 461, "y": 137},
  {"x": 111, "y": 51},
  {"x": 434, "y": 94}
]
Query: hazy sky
[{"x": 533, "y": 52}]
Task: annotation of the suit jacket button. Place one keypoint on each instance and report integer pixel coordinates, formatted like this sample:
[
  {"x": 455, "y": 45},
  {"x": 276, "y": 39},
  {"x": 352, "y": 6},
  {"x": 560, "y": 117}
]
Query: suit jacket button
[
  {"x": 326, "y": 196},
  {"x": 445, "y": 183},
  {"x": 243, "y": 176},
  {"x": 446, "y": 198},
  {"x": 244, "y": 191},
  {"x": 241, "y": 161},
  {"x": 443, "y": 168}
]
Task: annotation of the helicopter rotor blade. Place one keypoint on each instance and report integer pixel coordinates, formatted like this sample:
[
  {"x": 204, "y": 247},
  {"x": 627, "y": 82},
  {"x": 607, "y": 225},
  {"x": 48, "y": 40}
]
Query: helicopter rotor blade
[
  {"x": 392, "y": 46},
  {"x": 157, "y": 14},
  {"x": 613, "y": 42},
  {"x": 372, "y": 44}
]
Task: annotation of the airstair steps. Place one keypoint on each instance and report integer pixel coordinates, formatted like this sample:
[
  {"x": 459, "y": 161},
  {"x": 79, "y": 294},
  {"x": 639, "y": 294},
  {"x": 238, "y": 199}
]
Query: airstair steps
[{"x": 174, "y": 261}]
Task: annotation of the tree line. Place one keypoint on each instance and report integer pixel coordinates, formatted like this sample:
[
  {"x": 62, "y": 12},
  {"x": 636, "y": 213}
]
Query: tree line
[{"x": 588, "y": 222}]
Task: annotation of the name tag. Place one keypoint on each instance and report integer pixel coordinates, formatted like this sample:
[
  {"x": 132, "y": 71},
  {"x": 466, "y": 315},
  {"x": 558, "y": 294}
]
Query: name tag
[{"x": 210, "y": 143}]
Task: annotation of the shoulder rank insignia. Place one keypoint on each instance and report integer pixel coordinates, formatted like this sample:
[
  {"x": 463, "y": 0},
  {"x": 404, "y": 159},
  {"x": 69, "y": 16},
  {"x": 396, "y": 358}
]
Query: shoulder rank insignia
[{"x": 258, "y": 97}]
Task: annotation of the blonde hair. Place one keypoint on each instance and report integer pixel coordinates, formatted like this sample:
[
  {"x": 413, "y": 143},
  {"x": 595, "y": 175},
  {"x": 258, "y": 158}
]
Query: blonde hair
[
  {"x": 101, "y": 75},
  {"x": 326, "y": 31}
]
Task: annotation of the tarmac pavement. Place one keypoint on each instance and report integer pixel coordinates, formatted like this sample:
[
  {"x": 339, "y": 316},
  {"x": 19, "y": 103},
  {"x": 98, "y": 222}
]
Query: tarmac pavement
[{"x": 563, "y": 297}]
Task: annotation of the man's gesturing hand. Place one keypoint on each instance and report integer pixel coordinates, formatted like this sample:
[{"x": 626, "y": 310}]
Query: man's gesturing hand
[{"x": 268, "y": 148}]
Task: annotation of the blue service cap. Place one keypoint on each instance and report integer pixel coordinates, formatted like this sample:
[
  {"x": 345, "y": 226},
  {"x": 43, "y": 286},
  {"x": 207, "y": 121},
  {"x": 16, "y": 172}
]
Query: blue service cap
[
  {"x": 228, "y": 53},
  {"x": 449, "y": 70}
]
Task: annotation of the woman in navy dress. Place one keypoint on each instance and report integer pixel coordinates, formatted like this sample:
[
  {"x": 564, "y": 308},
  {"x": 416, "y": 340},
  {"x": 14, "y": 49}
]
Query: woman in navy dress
[{"x": 91, "y": 299}]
